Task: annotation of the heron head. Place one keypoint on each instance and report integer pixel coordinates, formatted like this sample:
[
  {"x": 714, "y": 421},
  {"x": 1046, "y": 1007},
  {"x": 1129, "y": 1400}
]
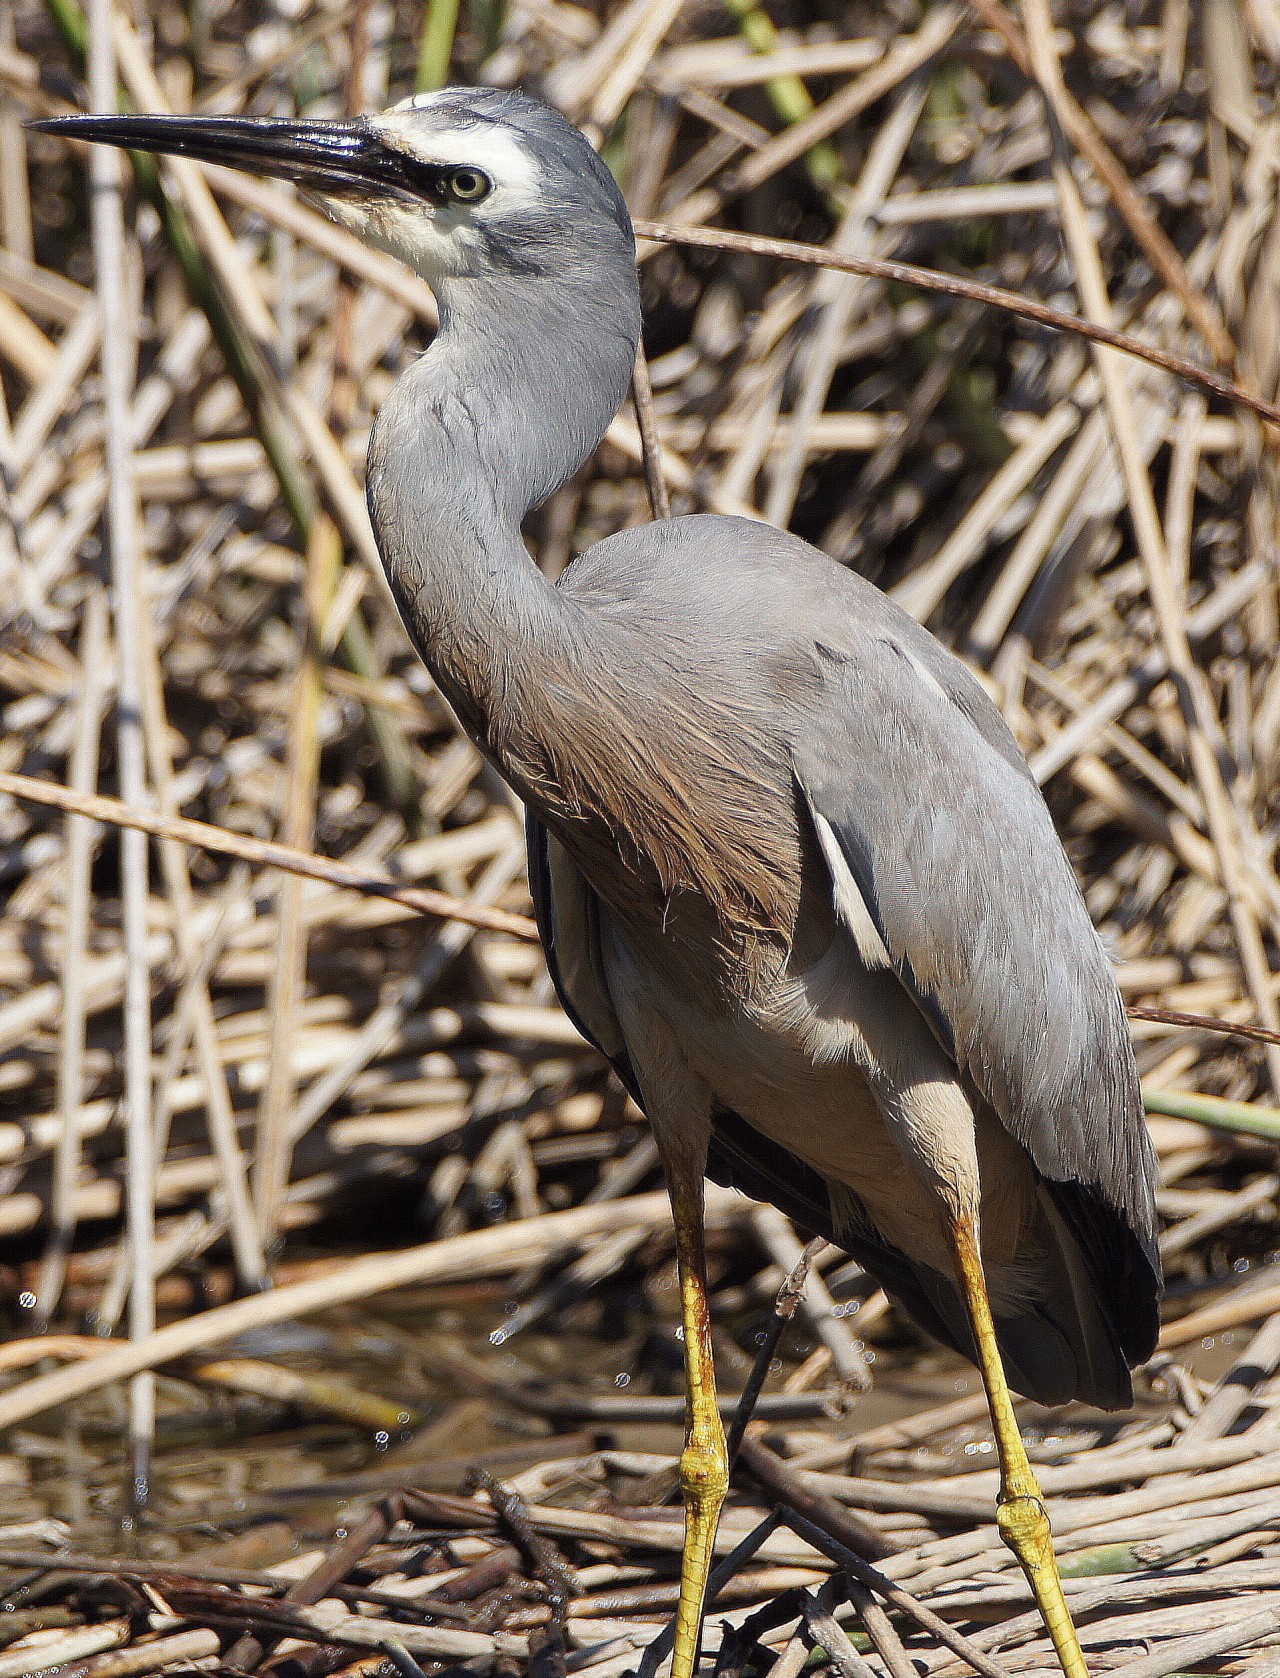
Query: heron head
[{"x": 463, "y": 183}]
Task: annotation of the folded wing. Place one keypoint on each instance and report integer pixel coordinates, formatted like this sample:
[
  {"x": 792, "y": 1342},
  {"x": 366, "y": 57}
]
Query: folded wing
[{"x": 933, "y": 826}]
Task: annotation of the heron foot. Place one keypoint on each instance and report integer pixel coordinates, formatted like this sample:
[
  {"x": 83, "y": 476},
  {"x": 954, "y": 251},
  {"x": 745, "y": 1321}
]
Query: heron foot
[
  {"x": 1021, "y": 1517},
  {"x": 704, "y": 1479},
  {"x": 1023, "y": 1524},
  {"x": 704, "y": 1469}
]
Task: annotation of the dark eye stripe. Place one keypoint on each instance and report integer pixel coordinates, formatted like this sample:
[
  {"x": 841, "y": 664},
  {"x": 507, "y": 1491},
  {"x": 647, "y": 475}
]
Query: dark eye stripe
[
  {"x": 435, "y": 182},
  {"x": 403, "y": 174},
  {"x": 409, "y": 177}
]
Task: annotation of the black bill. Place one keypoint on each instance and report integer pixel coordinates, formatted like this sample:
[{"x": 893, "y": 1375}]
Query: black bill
[{"x": 341, "y": 158}]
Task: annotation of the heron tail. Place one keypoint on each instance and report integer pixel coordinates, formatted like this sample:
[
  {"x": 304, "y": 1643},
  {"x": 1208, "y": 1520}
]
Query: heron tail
[
  {"x": 1077, "y": 1310},
  {"x": 1074, "y": 1313}
]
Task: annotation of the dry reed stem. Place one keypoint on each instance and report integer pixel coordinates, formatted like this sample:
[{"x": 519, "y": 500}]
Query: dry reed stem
[
  {"x": 288, "y": 979},
  {"x": 1083, "y": 132},
  {"x": 243, "y": 297},
  {"x": 196, "y": 1004},
  {"x": 127, "y": 568},
  {"x": 1204, "y": 737},
  {"x": 836, "y": 297},
  {"x": 1190, "y": 1651},
  {"x": 81, "y": 836},
  {"x": 478, "y": 1091}
]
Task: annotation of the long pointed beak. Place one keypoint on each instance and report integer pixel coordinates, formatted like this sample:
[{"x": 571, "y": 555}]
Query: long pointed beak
[{"x": 343, "y": 158}]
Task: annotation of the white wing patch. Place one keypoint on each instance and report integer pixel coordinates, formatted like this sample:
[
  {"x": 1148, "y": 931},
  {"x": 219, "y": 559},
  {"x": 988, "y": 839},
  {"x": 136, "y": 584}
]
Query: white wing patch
[
  {"x": 927, "y": 679},
  {"x": 850, "y": 904}
]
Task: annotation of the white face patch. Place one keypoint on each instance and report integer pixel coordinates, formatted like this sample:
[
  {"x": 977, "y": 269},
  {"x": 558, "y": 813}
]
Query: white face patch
[
  {"x": 440, "y": 241},
  {"x": 403, "y": 231},
  {"x": 486, "y": 146}
]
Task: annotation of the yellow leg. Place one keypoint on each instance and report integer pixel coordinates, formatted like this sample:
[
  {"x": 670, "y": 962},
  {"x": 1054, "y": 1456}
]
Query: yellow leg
[
  {"x": 704, "y": 1467},
  {"x": 1021, "y": 1516}
]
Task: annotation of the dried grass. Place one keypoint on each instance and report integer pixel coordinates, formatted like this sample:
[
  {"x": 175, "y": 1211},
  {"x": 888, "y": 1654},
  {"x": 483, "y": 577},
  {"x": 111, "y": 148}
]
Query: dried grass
[{"x": 1096, "y": 537}]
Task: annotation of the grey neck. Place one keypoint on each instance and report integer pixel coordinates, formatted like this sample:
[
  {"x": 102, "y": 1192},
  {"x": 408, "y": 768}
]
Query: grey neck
[{"x": 511, "y": 398}]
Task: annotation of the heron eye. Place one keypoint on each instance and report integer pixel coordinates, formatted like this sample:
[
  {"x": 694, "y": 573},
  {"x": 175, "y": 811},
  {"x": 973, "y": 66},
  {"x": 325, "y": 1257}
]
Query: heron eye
[{"x": 468, "y": 186}]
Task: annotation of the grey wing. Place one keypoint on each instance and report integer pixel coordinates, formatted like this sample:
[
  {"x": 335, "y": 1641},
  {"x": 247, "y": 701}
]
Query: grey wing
[
  {"x": 924, "y": 806},
  {"x": 568, "y": 915}
]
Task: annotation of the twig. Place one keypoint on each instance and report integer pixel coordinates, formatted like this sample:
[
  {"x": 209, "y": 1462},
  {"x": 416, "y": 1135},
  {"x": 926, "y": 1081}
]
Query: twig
[
  {"x": 872, "y": 1579},
  {"x": 348, "y": 1549},
  {"x": 650, "y": 444},
  {"x": 931, "y": 279},
  {"x": 847, "y": 1354},
  {"x": 226, "y": 843},
  {"x": 720, "y": 1575},
  {"x": 789, "y": 1296},
  {"x": 784, "y": 1486},
  {"x": 546, "y": 1566},
  {"x": 1203, "y": 1022},
  {"x": 880, "y": 1629}
]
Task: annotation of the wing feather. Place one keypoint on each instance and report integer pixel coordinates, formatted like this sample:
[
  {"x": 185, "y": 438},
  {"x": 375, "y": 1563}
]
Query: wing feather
[
  {"x": 568, "y": 915},
  {"x": 956, "y": 860}
]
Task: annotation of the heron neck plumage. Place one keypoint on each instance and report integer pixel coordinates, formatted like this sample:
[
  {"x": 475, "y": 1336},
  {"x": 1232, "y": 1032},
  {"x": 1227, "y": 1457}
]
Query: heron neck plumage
[
  {"x": 509, "y": 401},
  {"x": 514, "y": 394}
]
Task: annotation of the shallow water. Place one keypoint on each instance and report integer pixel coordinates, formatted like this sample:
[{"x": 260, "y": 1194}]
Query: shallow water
[{"x": 226, "y": 1462}]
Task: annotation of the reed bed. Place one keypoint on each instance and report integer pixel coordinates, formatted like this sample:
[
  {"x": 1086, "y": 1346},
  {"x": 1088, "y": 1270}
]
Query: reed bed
[{"x": 444, "y": 1439}]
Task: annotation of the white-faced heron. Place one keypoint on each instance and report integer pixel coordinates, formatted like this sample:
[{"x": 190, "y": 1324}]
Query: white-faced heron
[{"x": 793, "y": 875}]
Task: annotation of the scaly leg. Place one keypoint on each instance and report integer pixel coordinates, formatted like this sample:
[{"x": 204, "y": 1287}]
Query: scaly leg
[
  {"x": 1021, "y": 1516},
  {"x": 704, "y": 1467}
]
